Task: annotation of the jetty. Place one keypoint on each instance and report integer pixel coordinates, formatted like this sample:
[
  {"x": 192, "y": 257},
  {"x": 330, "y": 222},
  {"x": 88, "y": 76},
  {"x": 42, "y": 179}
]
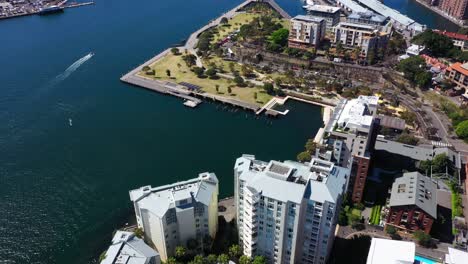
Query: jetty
[{"x": 63, "y": 6}]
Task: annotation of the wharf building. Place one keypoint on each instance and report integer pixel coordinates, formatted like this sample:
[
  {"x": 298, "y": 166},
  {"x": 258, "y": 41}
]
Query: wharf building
[
  {"x": 413, "y": 203},
  {"x": 306, "y": 32},
  {"x": 177, "y": 214},
  {"x": 128, "y": 248},
  {"x": 367, "y": 18},
  {"x": 287, "y": 211},
  {"x": 348, "y": 140},
  {"x": 368, "y": 38},
  {"x": 331, "y": 14}
]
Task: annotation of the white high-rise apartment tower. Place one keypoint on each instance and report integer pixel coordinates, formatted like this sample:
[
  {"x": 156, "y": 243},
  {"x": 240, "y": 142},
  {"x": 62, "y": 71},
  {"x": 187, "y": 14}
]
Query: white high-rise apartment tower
[
  {"x": 172, "y": 215},
  {"x": 287, "y": 211}
]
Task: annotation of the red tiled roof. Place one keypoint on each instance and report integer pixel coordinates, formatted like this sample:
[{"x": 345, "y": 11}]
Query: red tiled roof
[
  {"x": 452, "y": 35},
  {"x": 458, "y": 67}
]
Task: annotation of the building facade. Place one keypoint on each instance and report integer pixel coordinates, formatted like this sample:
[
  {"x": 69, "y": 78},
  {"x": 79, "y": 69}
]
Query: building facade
[
  {"x": 177, "y": 214},
  {"x": 128, "y": 248},
  {"x": 306, "y": 32},
  {"x": 331, "y": 14},
  {"x": 365, "y": 37},
  {"x": 350, "y": 134},
  {"x": 458, "y": 74},
  {"x": 413, "y": 203},
  {"x": 287, "y": 211},
  {"x": 455, "y": 8}
]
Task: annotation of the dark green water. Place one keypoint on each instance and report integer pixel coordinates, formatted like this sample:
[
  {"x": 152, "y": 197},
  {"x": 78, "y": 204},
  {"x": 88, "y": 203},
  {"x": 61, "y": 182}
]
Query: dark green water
[{"x": 64, "y": 189}]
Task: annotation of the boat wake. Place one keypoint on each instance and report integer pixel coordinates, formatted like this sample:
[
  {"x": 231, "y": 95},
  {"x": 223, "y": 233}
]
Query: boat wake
[{"x": 73, "y": 67}]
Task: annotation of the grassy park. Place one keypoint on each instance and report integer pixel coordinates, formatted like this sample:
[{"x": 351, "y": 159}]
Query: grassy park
[{"x": 180, "y": 72}]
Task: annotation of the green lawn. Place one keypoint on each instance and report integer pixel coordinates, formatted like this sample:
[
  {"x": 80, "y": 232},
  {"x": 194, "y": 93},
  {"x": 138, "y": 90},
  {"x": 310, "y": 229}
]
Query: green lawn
[{"x": 180, "y": 72}]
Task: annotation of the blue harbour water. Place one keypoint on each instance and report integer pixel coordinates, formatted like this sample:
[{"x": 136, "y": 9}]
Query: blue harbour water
[{"x": 74, "y": 139}]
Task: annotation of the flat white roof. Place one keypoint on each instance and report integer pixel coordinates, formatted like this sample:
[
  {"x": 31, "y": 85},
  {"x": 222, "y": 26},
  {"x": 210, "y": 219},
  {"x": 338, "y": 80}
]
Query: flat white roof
[
  {"x": 356, "y": 112},
  {"x": 355, "y": 7},
  {"x": 456, "y": 256},
  {"x": 323, "y": 8},
  {"x": 382, "y": 9},
  {"x": 386, "y": 251}
]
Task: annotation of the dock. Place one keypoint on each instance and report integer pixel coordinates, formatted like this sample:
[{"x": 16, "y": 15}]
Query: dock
[{"x": 71, "y": 5}]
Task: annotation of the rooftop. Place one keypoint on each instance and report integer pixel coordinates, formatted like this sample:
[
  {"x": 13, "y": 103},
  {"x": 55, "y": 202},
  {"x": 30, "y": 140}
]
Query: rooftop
[
  {"x": 384, "y": 10},
  {"x": 309, "y": 19},
  {"x": 357, "y": 26},
  {"x": 414, "y": 188},
  {"x": 456, "y": 256},
  {"x": 392, "y": 122},
  {"x": 355, "y": 7},
  {"x": 160, "y": 199},
  {"x": 369, "y": 15},
  {"x": 319, "y": 180},
  {"x": 452, "y": 35},
  {"x": 459, "y": 67},
  {"x": 357, "y": 113},
  {"x": 126, "y": 248},
  {"x": 385, "y": 251},
  {"x": 323, "y": 8}
]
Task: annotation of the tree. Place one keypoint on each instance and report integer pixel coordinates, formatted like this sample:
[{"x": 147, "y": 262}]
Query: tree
[
  {"x": 269, "y": 89},
  {"x": 102, "y": 256},
  {"x": 175, "y": 51},
  {"x": 172, "y": 260},
  {"x": 235, "y": 251},
  {"x": 246, "y": 71},
  {"x": 440, "y": 163},
  {"x": 198, "y": 259},
  {"x": 190, "y": 59},
  {"x": 224, "y": 20},
  {"x": 244, "y": 260},
  {"x": 217, "y": 88},
  {"x": 342, "y": 218},
  {"x": 390, "y": 230},
  {"x": 259, "y": 260},
  {"x": 180, "y": 252},
  {"x": 304, "y": 156},
  {"x": 232, "y": 67},
  {"x": 407, "y": 139},
  {"x": 229, "y": 90},
  {"x": 198, "y": 71},
  {"x": 139, "y": 232},
  {"x": 423, "y": 239},
  {"x": 437, "y": 44},
  {"x": 212, "y": 259},
  {"x": 409, "y": 117},
  {"x": 239, "y": 80},
  {"x": 223, "y": 259},
  {"x": 411, "y": 67},
  {"x": 146, "y": 68},
  {"x": 255, "y": 96},
  {"x": 462, "y": 130},
  {"x": 168, "y": 72},
  {"x": 211, "y": 72},
  {"x": 310, "y": 146},
  {"x": 423, "y": 79},
  {"x": 279, "y": 37}
]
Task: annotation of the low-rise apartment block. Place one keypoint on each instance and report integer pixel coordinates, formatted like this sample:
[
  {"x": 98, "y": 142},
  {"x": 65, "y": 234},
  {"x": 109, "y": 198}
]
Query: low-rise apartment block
[
  {"x": 347, "y": 143},
  {"x": 172, "y": 215},
  {"x": 128, "y": 248},
  {"x": 413, "y": 203},
  {"x": 306, "y": 32},
  {"x": 331, "y": 14},
  {"x": 368, "y": 38},
  {"x": 287, "y": 211},
  {"x": 458, "y": 74}
]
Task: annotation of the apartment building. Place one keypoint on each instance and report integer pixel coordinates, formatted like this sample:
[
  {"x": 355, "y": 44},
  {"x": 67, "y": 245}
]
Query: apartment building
[
  {"x": 349, "y": 136},
  {"x": 368, "y": 38},
  {"x": 306, "y": 32},
  {"x": 175, "y": 214},
  {"x": 331, "y": 14},
  {"x": 413, "y": 203},
  {"x": 458, "y": 74},
  {"x": 128, "y": 248},
  {"x": 287, "y": 211},
  {"x": 455, "y": 8}
]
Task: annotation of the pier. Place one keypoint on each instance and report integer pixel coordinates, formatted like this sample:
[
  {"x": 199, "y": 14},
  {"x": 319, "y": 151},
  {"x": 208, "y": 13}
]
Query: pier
[{"x": 64, "y": 6}]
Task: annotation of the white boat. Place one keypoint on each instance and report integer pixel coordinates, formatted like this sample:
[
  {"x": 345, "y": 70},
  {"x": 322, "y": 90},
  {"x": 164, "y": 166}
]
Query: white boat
[{"x": 70, "y": 121}]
